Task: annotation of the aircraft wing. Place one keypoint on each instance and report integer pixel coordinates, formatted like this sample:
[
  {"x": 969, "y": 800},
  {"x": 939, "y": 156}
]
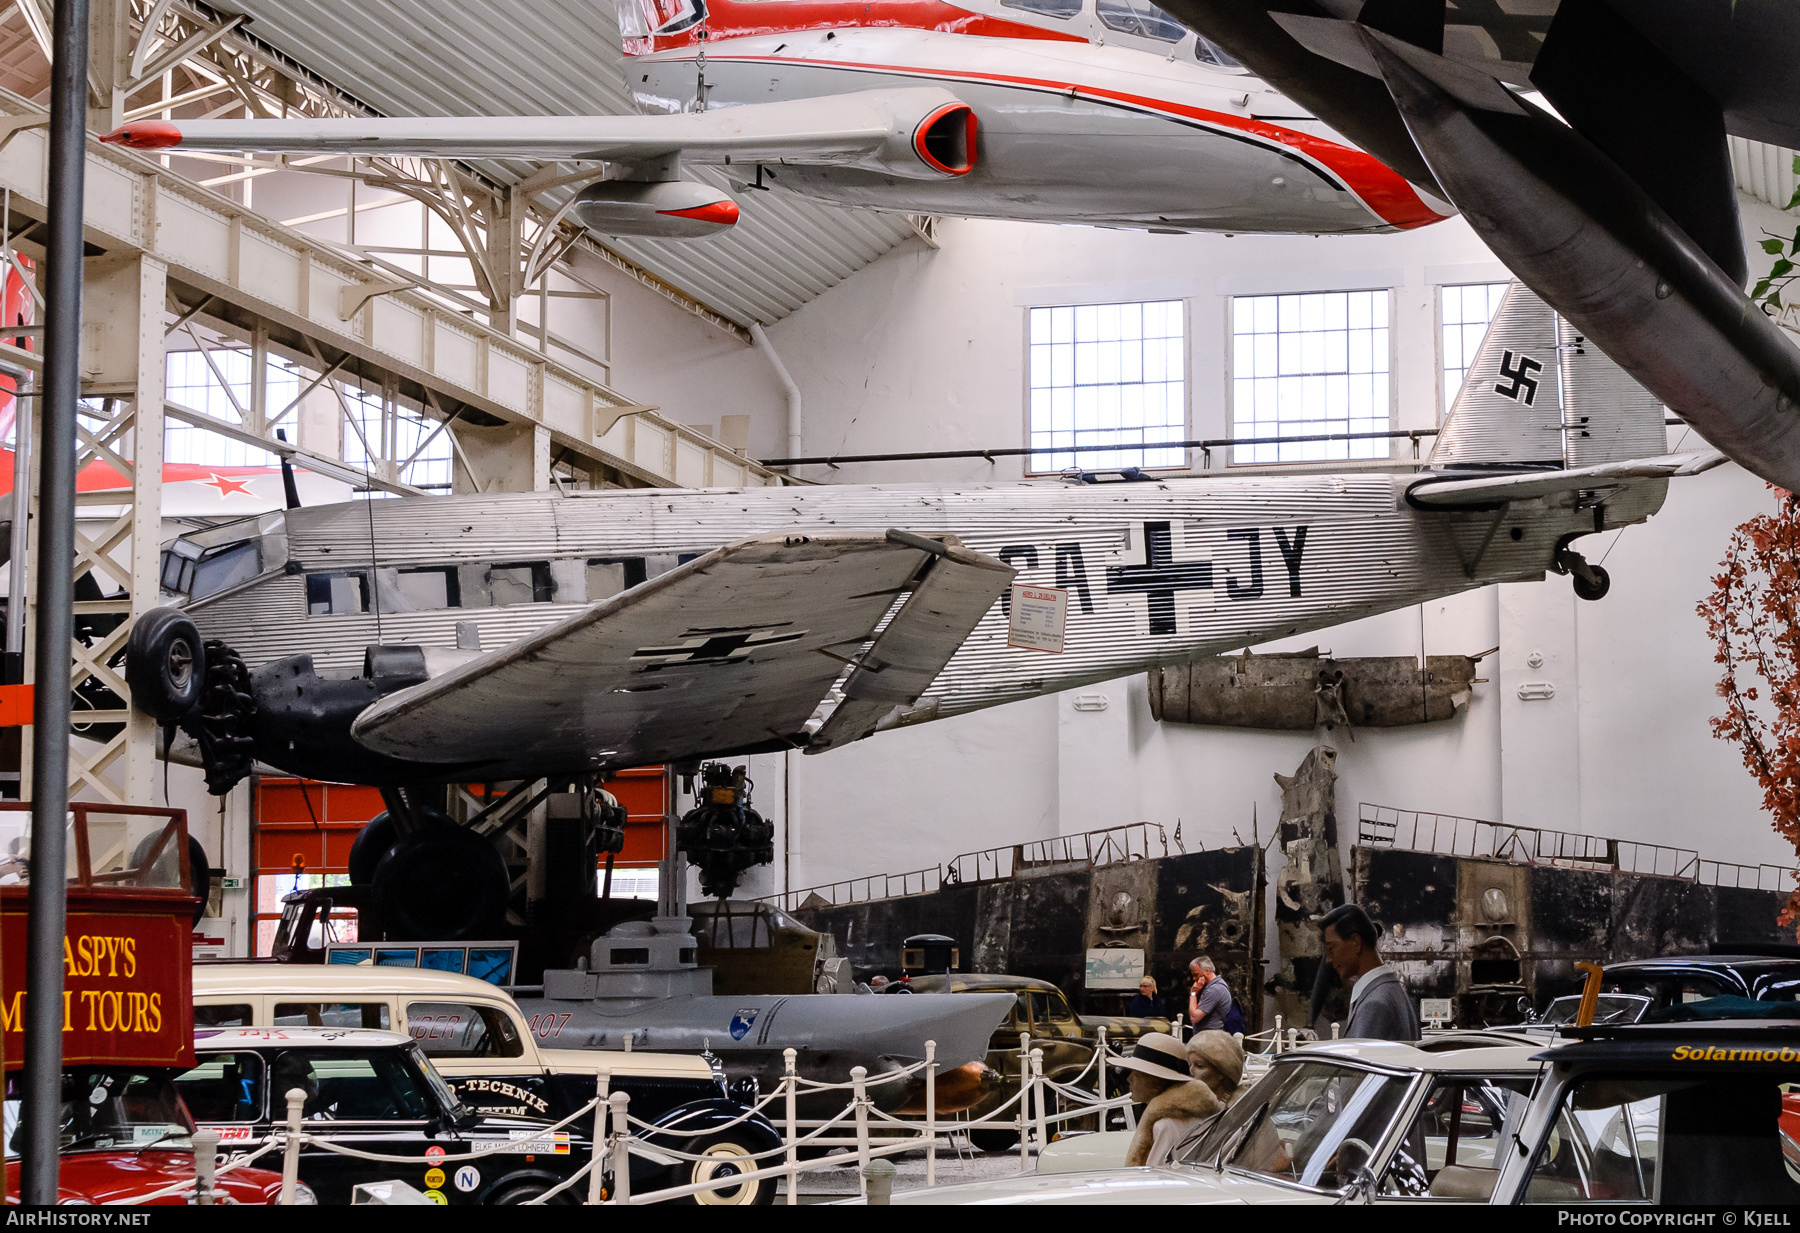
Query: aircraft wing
[
  {"x": 921, "y": 132},
  {"x": 1489, "y": 491},
  {"x": 729, "y": 653}
]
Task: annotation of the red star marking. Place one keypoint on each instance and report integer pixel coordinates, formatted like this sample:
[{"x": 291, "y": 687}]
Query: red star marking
[{"x": 226, "y": 485}]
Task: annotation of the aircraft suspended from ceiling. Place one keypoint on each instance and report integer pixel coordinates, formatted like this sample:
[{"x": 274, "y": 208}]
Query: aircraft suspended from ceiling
[
  {"x": 1620, "y": 208},
  {"x": 1102, "y": 113}
]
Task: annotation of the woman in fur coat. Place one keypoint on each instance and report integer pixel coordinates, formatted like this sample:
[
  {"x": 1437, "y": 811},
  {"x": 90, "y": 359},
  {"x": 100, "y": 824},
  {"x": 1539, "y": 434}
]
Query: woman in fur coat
[{"x": 1174, "y": 1104}]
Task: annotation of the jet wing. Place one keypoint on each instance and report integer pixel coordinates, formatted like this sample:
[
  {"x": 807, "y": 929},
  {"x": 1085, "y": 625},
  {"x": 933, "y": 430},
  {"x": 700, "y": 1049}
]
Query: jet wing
[
  {"x": 922, "y": 132},
  {"x": 729, "y": 653},
  {"x": 1489, "y": 491}
]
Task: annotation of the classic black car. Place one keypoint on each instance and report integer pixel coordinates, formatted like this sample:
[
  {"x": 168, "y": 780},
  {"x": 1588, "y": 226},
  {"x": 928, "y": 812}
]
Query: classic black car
[
  {"x": 379, "y": 1092},
  {"x": 1673, "y": 980}
]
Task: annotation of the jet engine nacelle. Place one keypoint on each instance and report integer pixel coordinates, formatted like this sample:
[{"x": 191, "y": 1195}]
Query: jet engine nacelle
[{"x": 674, "y": 209}]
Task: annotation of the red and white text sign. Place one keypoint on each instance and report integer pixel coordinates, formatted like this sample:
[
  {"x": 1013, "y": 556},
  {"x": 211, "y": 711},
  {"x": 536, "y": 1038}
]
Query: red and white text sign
[{"x": 1036, "y": 618}]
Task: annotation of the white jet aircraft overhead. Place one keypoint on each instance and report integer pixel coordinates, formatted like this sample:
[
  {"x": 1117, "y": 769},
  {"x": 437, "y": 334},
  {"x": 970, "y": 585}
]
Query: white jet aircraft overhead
[
  {"x": 538, "y": 635},
  {"x": 1099, "y": 112}
]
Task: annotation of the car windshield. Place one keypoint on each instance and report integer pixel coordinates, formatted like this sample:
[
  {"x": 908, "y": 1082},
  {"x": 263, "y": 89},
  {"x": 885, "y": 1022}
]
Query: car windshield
[
  {"x": 1608, "y": 1008},
  {"x": 1718, "y": 1138},
  {"x": 1315, "y": 1123},
  {"x": 365, "y": 1085},
  {"x": 447, "y": 1099},
  {"x": 110, "y": 1109}
]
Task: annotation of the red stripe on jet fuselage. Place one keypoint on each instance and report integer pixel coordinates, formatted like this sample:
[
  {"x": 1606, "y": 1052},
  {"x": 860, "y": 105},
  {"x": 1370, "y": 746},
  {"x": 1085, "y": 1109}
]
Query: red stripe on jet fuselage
[
  {"x": 727, "y": 19},
  {"x": 1383, "y": 191}
]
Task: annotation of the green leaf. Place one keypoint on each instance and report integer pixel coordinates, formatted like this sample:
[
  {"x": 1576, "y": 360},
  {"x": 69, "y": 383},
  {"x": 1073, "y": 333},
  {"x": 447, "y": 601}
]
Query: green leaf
[
  {"x": 1761, "y": 289},
  {"x": 1795, "y": 199},
  {"x": 1781, "y": 267},
  {"x": 1775, "y": 300},
  {"x": 1771, "y": 246}
]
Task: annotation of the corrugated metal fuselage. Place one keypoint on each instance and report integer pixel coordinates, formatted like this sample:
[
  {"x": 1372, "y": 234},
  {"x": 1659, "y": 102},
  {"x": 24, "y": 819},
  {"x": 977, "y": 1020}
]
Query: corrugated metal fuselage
[{"x": 1157, "y": 572}]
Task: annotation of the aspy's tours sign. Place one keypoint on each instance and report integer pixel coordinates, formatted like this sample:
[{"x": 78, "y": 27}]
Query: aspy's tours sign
[{"x": 127, "y": 980}]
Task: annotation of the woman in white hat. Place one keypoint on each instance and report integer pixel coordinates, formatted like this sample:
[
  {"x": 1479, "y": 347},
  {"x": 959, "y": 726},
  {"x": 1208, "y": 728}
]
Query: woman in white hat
[{"x": 1174, "y": 1102}]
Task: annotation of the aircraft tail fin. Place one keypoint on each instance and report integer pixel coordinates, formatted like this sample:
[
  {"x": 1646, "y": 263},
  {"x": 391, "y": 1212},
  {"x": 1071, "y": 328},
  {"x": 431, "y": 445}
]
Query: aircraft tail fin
[{"x": 1539, "y": 394}]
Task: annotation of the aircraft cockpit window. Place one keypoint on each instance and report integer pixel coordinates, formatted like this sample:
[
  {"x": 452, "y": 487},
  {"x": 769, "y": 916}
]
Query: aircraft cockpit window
[
  {"x": 328, "y": 594},
  {"x": 1208, "y": 52},
  {"x": 1141, "y": 18},
  {"x": 1049, "y": 8},
  {"x": 225, "y": 567},
  {"x": 196, "y": 572}
]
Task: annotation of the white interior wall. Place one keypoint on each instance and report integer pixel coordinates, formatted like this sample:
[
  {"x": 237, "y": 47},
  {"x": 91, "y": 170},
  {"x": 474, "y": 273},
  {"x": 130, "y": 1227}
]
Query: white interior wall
[{"x": 924, "y": 351}]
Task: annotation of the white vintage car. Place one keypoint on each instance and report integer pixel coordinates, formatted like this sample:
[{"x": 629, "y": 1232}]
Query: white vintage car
[
  {"x": 1340, "y": 1119},
  {"x": 1703, "y": 1110}
]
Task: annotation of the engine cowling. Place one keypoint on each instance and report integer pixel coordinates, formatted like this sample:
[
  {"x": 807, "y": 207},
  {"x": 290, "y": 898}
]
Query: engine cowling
[{"x": 672, "y": 209}]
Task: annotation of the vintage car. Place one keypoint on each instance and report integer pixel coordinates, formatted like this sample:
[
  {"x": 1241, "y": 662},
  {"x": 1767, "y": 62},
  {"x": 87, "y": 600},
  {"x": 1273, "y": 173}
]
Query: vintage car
[
  {"x": 1040, "y": 1009},
  {"x": 1694, "y": 1112},
  {"x": 126, "y": 1134},
  {"x": 488, "y": 1052},
  {"x": 373, "y": 1092},
  {"x": 1673, "y": 980},
  {"x": 1340, "y": 1119}
]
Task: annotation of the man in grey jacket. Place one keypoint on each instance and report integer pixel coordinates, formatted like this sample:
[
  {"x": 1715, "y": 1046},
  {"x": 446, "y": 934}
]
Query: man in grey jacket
[{"x": 1380, "y": 1008}]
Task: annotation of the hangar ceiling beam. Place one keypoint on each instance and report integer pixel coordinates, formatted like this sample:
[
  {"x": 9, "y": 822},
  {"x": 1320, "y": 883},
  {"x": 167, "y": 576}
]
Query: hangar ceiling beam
[
  {"x": 509, "y": 235},
  {"x": 171, "y": 260}
]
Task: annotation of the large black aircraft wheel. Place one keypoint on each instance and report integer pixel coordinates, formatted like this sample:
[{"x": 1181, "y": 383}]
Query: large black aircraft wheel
[
  {"x": 727, "y": 1155},
  {"x": 377, "y": 838},
  {"x": 165, "y": 665},
  {"x": 442, "y": 884},
  {"x": 1601, "y": 584},
  {"x": 991, "y": 1138},
  {"x": 374, "y": 841}
]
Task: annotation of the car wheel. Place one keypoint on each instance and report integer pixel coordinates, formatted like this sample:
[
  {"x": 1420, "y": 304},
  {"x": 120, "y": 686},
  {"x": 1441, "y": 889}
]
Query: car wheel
[
  {"x": 165, "y": 665},
  {"x": 510, "y": 1194},
  {"x": 726, "y": 1156}
]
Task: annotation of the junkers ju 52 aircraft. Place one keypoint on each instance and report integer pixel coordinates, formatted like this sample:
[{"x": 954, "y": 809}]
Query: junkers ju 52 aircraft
[
  {"x": 1101, "y": 112},
  {"x": 516, "y": 637}
]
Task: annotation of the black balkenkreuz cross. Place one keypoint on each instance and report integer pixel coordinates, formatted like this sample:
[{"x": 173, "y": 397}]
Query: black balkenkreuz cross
[
  {"x": 712, "y": 646},
  {"x": 1160, "y": 577}
]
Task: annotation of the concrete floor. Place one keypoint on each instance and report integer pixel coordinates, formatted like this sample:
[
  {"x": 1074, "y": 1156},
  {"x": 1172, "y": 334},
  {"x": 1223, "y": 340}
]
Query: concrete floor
[{"x": 965, "y": 1164}]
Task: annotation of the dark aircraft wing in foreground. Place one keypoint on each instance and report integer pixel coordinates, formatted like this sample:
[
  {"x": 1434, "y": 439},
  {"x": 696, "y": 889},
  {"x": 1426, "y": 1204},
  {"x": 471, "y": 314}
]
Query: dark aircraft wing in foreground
[{"x": 734, "y": 650}]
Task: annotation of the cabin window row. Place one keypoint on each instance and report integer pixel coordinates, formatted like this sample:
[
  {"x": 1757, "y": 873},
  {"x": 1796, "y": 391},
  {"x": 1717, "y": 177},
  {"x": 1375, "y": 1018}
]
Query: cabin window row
[{"x": 428, "y": 588}]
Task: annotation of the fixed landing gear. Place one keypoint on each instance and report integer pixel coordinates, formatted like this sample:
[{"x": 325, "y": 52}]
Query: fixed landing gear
[{"x": 1591, "y": 581}]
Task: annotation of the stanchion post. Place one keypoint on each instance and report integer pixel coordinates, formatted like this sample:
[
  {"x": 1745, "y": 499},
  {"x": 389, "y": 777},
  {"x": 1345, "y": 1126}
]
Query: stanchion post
[
  {"x": 859, "y": 1094},
  {"x": 931, "y": 1113},
  {"x": 1100, "y": 1053},
  {"x": 878, "y": 1181},
  {"x": 206, "y": 1165},
  {"x": 290, "y": 1156},
  {"x": 791, "y": 1081},
  {"x": 1039, "y": 1099},
  {"x": 1023, "y": 1116},
  {"x": 621, "y": 1147},
  {"x": 597, "y": 1160},
  {"x": 1334, "y": 1029},
  {"x": 1278, "y": 1035}
]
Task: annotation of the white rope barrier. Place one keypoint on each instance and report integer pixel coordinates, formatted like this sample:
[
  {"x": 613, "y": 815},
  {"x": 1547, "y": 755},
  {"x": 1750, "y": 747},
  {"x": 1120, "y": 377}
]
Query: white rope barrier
[{"x": 1028, "y": 1107}]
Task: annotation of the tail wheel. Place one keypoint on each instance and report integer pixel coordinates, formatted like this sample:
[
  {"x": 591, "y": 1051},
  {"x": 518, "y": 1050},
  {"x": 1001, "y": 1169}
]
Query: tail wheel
[
  {"x": 1595, "y": 587},
  {"x": 726, "y": 1156}
]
